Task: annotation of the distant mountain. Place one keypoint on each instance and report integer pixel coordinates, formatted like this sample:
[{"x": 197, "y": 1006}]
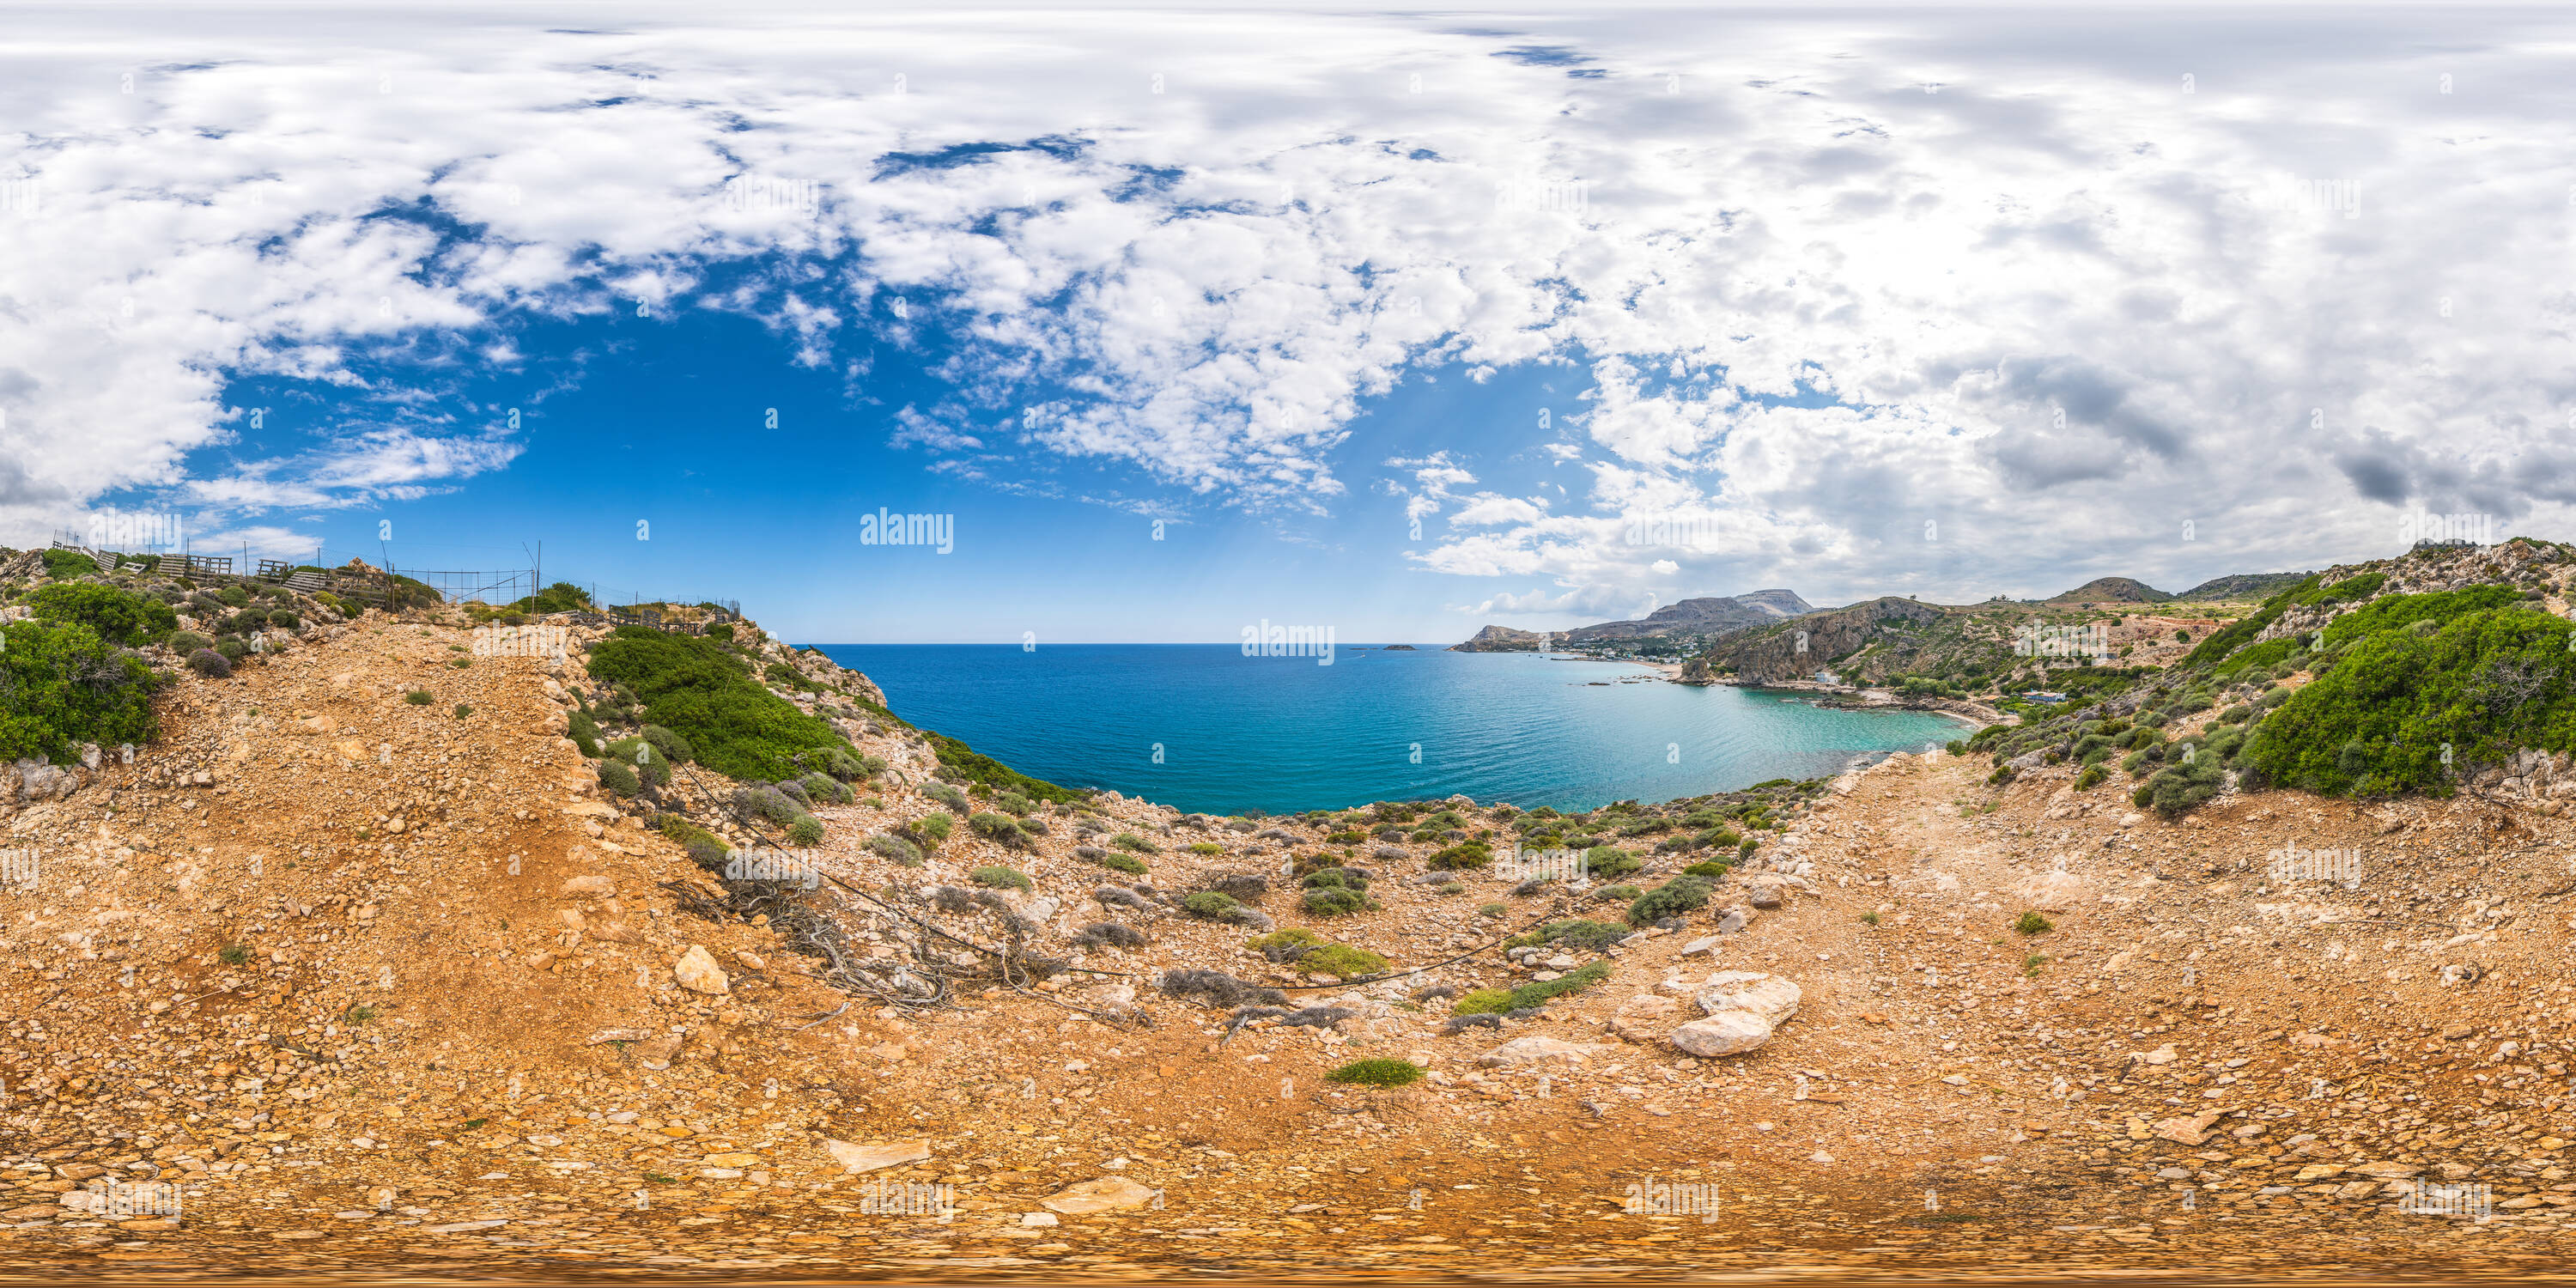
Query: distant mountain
[
  {"x": 1710, "y": 615},
  {"x": 2111, "y": 590},
  {"x": 2243, "y": 585}
]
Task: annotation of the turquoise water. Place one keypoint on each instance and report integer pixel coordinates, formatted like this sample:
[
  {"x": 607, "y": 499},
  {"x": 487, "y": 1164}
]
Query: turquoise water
[{"x": 1285, "y": 734}]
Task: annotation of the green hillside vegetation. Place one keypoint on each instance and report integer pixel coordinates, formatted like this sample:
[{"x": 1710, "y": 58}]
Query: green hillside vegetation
[
  {"x": 62, "y": 686},
  {"x": 705, "y": 691}
]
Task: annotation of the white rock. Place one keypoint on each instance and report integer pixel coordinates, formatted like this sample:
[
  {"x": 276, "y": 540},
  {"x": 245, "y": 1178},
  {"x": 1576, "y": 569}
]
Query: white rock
[
  {"x": 1770, "y": 997},
  {"x": 1538, "y": 1050},
  {"x": 868, "y": 1158},
  {"x": 1038, "y": 1218},
  {"x": 1106, "y": 1194},
  {"x": 1725, "y": 1033},
  {"x": 697, "y": 971}
]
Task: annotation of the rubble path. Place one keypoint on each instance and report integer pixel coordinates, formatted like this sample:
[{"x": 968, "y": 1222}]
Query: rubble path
[{"x": 380, "y": 988}]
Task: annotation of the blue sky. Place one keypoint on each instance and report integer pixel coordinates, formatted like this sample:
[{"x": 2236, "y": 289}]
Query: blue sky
[{"x": 1994, "y": 301}]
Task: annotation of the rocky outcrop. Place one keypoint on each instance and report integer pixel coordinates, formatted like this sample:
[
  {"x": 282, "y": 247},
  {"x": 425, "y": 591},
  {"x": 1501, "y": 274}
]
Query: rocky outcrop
[
  {"x": 1795, "y": 650},
  {"x": 1500, "y": 639}
]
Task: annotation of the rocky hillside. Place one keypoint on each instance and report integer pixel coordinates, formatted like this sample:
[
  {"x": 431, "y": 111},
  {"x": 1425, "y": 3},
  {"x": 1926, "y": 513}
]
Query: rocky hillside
[
  {"x": 1500, "y": 639},
  {"x": 376, "y": 984},
  {"x": 2111, "y": 590},
  {"x": 2242, "y": 586},
  {"x": 1688, "y": 619}
]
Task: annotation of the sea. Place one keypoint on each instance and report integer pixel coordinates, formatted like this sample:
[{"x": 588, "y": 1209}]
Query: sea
[{"x": 1207, "y": 729}]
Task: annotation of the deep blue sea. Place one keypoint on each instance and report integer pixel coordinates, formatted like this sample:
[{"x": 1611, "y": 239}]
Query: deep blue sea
[{"x": 1203, "y": 727}]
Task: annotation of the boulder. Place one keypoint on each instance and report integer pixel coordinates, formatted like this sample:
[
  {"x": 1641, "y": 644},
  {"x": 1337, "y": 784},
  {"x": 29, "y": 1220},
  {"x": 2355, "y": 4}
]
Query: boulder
[
  {"x": 1764, "y": 892},
  {"x": 697, "y": 971},
  {"x": 1725, "y": 1033},
  {"x": 1107, "y": 1194},
  {"x": 1772, "y": 998},
  {"x": 1733, "y": 921},
  {"x": 590, "y": 886}
]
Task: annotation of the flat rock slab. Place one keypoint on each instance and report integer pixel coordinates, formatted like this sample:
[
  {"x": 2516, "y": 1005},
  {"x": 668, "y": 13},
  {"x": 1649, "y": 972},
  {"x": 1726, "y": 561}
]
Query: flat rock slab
[
  {"x": 1107, "y": 1194},
  {"x": 1725, "y": 1033},
  {"x": 868, "y": 1158}
]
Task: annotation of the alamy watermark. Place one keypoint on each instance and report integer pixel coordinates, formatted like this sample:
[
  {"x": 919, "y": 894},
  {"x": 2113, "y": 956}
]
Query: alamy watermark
[
  {"x": 1270, "y": 640},
  {"x": 129, "y": 1198},
  {"x": 885, "y": 528},
  {"x": 1561, "y": 196},
  {"x": 2034, "y": 639},
  {"x": 909, "y": 1198},
  {"x": 2468, "y": 1199},
  {"x": 2290, "y": 863},
  {"x": 549, "y": 642},
  {"x": 2447, "y": 529},
  {"x": 752, "y": 193},
  {"x": 1524, "y": 864},
  {"x": 2309, "y": 196},
  {"x": 18, "y": 868},
  {"x": 123, "y": 530},
  {"x": 1651, "y": 1197},
  {"x": 791, "y": 867},
  {"x": 1685, "y": 531}
]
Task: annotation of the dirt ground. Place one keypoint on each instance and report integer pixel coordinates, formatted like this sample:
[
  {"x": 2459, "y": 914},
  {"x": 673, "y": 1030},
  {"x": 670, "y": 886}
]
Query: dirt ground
[{"x": 377, "y": 988}]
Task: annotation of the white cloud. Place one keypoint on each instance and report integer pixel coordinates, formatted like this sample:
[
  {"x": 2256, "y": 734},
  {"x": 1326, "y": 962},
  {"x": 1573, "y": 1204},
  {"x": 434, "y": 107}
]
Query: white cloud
[{"x": 1203, "y": 285}]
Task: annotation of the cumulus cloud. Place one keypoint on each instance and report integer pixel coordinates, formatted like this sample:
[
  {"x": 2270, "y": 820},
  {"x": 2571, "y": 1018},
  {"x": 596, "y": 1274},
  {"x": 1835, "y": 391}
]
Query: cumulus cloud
[{"x": 2066, "y": 314}]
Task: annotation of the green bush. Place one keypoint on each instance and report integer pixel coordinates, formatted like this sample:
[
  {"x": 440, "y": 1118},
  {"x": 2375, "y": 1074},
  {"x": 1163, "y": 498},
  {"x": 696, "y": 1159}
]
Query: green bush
[
  {"x": 116, "y": 616},
  {"x": 1495, "y": 1001},
  {"x": 1131, "y": 841},
  {"x": 804, "y": 831},
  {"x": 2031, "y": 923},
  {"x": 958, "y": 760},
  {"x": 1335, "y": 901},
  {"x": 827, "y": 789},
  {"x": 670, "y": 744},
  {"x": 1607, "y": 861},
  {"x": 1012, "y": 803},
  {"x": 1297, "y": 937},
  {"x": 184, "y": 643},
  {"x": 935, "y": 828},
  {"x": 1464, "y": 856},
  {"x": 897, "y": 849},
  {"x": 1589, "y": 936},
  {"x": 61, "y": 686},
  {"x": 420, "y": 697},
  {"x": 1208, "y": 905},
  {"x": 584, "y": 733},
  {"x": 995, "y": 827},
  {"x": 617, "y": 777},
  {"x": 1712, "y": 869},
  {"x": 999, "y": 878},
  {"x": 1672, "y": 898},
  {"x": 1341, "y": 960},
  {"x": 2477, "y": 684},
  {"x": 698, "y": 689},
  {"x": 704, "y": 847},
  {"x": 1133, "y": 867},
  {"x": 1494, "y": 910},
  {"x": 948, "y": 795},
  {"x": 2091, "y": 777},
  {"x": 210, "y": 664},
  {"x": 1378, "y": 1071}
]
